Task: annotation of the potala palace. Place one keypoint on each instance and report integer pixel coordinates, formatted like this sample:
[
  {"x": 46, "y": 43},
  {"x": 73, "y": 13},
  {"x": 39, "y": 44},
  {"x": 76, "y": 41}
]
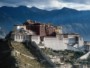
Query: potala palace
[{"x": 50, "y": 36}]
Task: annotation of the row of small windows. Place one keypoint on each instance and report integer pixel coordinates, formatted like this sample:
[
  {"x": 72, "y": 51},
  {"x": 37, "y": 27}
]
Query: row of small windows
[{"x": 21, "y": 36}]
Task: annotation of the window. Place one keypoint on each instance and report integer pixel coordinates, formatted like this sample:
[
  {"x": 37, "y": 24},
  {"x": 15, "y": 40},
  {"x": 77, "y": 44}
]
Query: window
[
  {"x": 42, "y": 38},
  {"x": 16, "y": 37},
  {"x": 72, "y": 40},
  {"x": 65, "y": 36},
  {"x": 76, "y": 38}
]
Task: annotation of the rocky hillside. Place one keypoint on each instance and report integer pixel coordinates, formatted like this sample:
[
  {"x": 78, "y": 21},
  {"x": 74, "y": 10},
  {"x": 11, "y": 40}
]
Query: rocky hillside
[
  {"x": 23, "y": 57},
  {"x": 6, "y": 60},
  {"x": 19, "y": 55},
  {"x": 28, "y": 56}
]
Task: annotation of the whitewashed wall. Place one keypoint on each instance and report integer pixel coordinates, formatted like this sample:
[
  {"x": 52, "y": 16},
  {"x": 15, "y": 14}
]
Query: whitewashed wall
[
  {"x": 21, "y": 38},
  {"x": 57, "y": 44},
  {"x": 35, "y": 39},
  {"x": 81, "y": 41},
  {"x": 54, "y": 43}
]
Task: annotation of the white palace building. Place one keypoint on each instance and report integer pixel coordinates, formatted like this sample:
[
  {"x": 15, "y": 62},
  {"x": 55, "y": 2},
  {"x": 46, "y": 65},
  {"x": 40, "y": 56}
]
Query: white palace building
[{"x": 51, "y": 36}]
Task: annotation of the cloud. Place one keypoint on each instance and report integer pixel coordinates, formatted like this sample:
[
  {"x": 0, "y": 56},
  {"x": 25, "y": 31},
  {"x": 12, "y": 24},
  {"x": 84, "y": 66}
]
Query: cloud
[
  {"x": 78, "y": 1},
  {"x": 49, "y": 4}
]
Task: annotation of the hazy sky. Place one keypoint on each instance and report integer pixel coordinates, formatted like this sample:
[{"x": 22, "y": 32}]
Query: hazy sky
[{"x": 49, "y": 4}]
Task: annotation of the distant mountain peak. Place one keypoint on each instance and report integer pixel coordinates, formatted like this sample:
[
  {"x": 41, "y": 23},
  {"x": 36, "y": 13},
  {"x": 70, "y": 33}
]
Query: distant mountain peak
[
  {"x": 66, "y": 9},
  {"x": 22, "y": 6},
  {"x": 33, "y": 7},
  {"x": 73, "y": 20}
]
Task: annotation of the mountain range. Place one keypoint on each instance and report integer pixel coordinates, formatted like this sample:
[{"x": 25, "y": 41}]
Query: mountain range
[{"x": 72, "y": 20}]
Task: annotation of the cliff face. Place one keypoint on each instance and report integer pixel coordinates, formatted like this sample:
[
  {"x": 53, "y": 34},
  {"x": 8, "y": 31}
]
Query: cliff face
[
  {"x": 23, "y": 57},
  {"x": 28, "y": 56},
  {"x": 19, "y": 55},
  {"x": 6, "y": 60}
]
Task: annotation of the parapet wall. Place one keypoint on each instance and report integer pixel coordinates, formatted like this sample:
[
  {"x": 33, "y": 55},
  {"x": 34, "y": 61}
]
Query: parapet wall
[
  {"x": 54, "y": 43},
  {"x": 36, "y": 39}
]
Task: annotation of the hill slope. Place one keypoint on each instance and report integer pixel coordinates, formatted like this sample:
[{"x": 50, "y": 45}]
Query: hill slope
[{"x": 28, "y": 56}]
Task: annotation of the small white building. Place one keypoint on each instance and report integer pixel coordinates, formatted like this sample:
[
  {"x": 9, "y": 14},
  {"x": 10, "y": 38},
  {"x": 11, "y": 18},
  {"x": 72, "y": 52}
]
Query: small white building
[
  {"x": 21, "y": 37},
  {"x": 73, "y": 41},
  {"x": 20, "y": 34}
]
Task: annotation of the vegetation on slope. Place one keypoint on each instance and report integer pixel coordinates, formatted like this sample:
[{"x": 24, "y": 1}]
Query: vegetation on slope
[
  {"x": 67, "y": 55},
  {"x": 25, "y": 57}
]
